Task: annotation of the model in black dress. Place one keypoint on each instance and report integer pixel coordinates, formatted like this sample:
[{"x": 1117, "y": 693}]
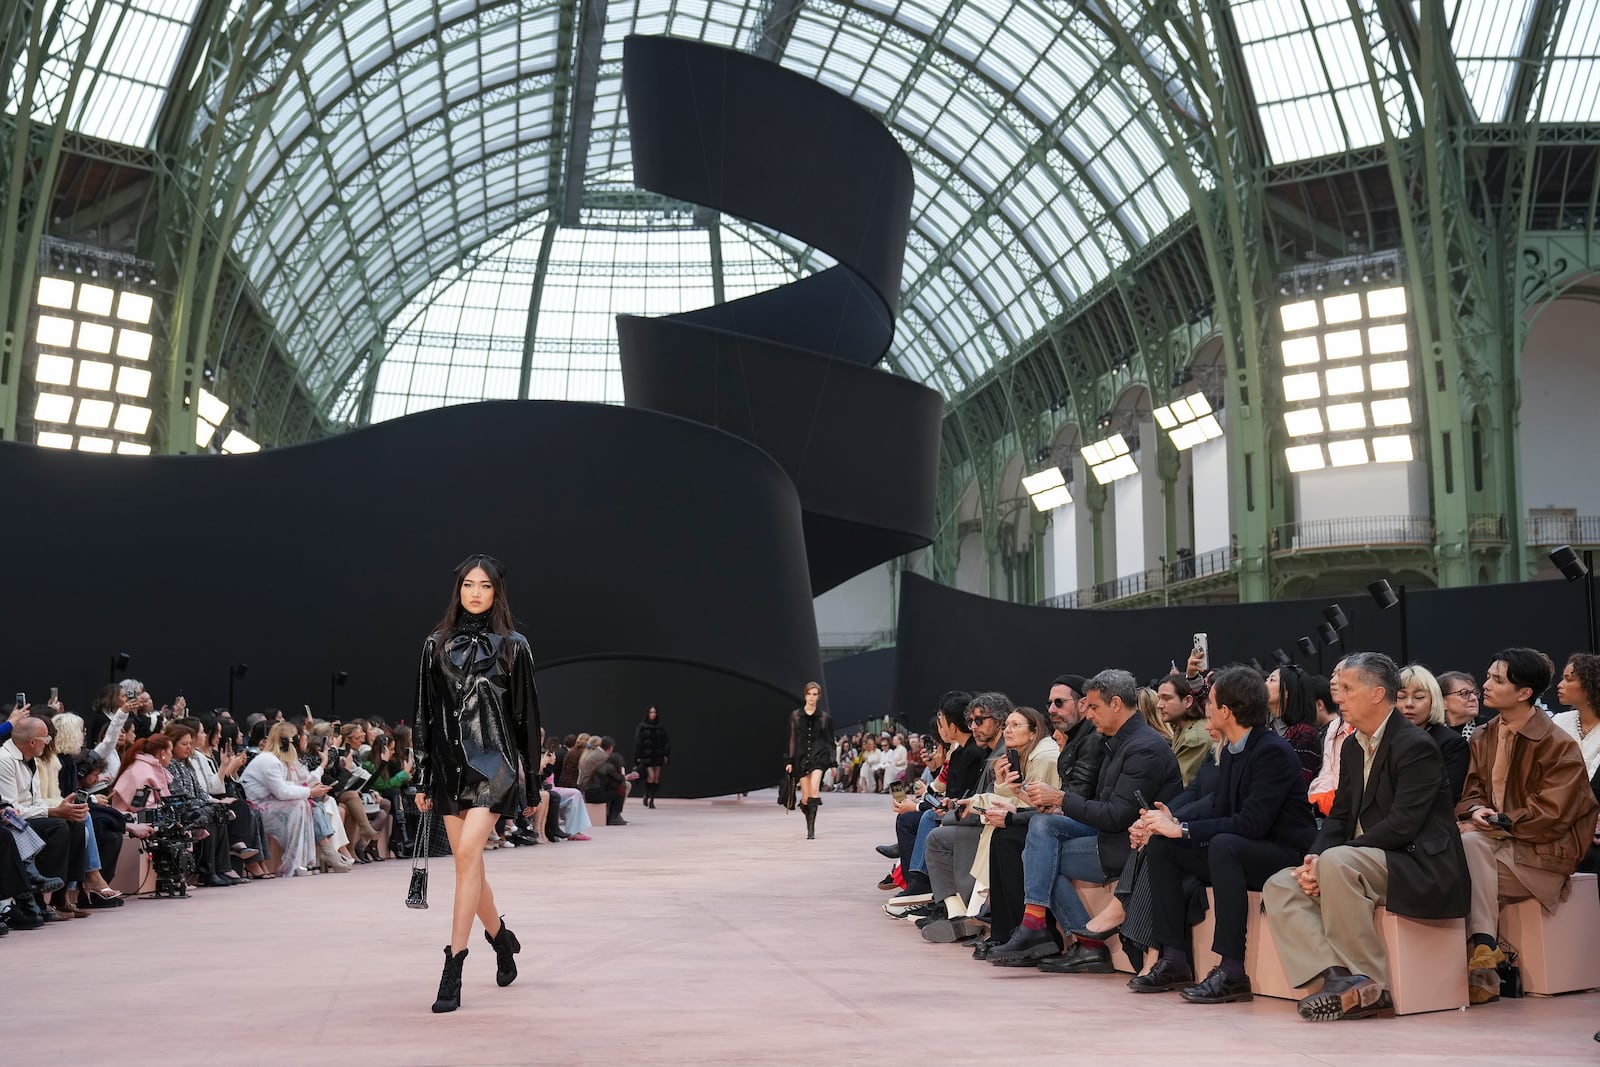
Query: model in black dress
[
  {"x": 652, "y": 748},
  {"x": 477, "y": 718},
  {"x": 811, "y": 751}
]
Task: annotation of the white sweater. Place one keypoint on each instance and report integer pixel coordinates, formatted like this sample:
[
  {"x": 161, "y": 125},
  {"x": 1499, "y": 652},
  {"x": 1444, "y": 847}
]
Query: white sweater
[{"x": 267, "y": 778}]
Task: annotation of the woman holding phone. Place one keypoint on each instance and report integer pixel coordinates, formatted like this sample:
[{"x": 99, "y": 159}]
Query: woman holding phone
[
  {"x": 811, "y": 749},
  {"x": 477, "y": 724}
]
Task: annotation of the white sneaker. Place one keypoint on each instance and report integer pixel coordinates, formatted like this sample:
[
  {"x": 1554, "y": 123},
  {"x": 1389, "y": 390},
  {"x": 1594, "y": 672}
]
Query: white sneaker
[{"x": 897, "y": 906}]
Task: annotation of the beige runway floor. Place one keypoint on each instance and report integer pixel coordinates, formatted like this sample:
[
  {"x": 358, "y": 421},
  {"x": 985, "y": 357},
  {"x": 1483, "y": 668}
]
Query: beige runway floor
[{"x": 704, "y": 933}]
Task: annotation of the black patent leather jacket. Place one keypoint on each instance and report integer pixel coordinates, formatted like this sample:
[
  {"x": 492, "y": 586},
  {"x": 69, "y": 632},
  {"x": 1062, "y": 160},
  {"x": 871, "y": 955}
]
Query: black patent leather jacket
[{"x": 475, "y": 701}]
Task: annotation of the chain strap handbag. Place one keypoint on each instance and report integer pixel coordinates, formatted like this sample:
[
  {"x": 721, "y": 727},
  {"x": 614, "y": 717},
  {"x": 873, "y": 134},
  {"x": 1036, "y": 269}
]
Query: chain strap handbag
[{"x": 417, "y": 891}]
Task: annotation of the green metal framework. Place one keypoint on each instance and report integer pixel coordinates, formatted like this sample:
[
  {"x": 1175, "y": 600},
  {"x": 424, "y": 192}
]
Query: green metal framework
[{"x": 361, "y": 208}]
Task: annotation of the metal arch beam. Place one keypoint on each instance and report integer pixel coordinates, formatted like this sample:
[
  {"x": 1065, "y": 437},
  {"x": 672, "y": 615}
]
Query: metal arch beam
[
  {"x": 591, "y": 31},
  {"x": 1527, "y": 85},
  {"x": 530, "y": 332},
  {"x": 777, "y": 25}
]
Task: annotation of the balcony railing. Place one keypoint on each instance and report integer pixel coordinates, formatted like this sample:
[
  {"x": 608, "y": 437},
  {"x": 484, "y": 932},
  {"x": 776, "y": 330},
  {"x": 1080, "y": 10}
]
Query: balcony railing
[
  {"x": 1354, "y": 532},
  {"x": 1219, "y": 561},
  {"x": 1547, "y": 531}
]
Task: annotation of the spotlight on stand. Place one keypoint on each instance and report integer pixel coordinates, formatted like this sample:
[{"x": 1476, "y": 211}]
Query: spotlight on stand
[
  {"x": 1256, "y": 666},
  {"x": 1335, "y": 616},
  {"x": 119, "y": 664},
  {"x": 1281, "y": 658},
  {"x": 1386, "y": 597},
  {"x": 236, "y": 673},
  {"x": 336, "y": 682},
  {"x": 1307, "y": 646},
  {"x": 1329, "y": 635},
  {"x": 1574, "y": 569}
]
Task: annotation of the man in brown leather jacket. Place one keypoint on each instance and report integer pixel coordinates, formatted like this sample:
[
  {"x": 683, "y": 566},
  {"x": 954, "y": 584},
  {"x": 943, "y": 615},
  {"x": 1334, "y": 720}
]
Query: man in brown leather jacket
[{"x": 1526, "y": 812}]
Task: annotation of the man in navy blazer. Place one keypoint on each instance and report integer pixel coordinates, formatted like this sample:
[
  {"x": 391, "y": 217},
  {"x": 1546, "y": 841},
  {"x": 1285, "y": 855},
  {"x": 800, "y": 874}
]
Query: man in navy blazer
[
  {"x": 1261, "y": 823},
  {"x": 1390, "y": 839}
]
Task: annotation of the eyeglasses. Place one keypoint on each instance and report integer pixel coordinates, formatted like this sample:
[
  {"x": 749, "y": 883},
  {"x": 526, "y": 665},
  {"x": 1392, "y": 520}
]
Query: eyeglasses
[
  {"x": 1464, "y": 694},
  {"x": 1058, "y": 702},
  {"x": 980, "y": 718}
]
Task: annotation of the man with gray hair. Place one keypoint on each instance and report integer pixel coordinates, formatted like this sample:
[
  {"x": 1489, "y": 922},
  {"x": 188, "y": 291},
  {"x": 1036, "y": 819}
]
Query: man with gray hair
[
  {"x": 1087, "y": 837},
  {"x": 1390, "y": 839},
  {"x": 140, "y": 708},
  {"x": 65, "y": 852}
]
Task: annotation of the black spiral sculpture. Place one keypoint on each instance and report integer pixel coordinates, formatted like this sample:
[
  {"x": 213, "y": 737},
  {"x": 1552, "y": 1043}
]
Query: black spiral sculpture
[
  {"x": 791, "y": 370},
  {"x": 664, "y": 557}
]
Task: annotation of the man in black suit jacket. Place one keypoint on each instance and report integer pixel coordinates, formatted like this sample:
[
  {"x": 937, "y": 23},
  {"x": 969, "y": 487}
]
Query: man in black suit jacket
[
  {"x": 1390, "y": 839},
  {"x": 1261, "y": 823},
  {"x": 1088, "y": 837}
]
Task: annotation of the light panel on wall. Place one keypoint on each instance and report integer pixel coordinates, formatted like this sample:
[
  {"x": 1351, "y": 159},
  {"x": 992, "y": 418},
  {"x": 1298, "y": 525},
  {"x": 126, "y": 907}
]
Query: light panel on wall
[
  {"x": 236, "y": 444},
  {"x": 1188, "y": 421},
  {"x": 107, "y": 327},
  {"x": 1347, "y": 370},
  {"x": 1110, "y": 459},
  {"x": 1047, "y": 489},
  {"x": 1304, "y": 458}
]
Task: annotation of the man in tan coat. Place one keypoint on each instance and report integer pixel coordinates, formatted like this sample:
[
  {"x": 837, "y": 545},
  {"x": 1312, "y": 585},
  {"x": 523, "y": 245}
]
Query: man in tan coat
[{"x": 1526, "y": 812}]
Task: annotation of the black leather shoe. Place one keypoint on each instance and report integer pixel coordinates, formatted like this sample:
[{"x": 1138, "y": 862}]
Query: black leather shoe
[
  {"x": 889, "y": 852},
  {"x": 4, "y": 929},
  {"x": 1079, "y": 959},
  {"x": 1025, "y": 948},
  {"x": 935, "y": 913},
  {"x": 216, "y": 881},
  {"x": 1346, "y": 997},
  {"x": 950, "y": 931},
  {"x": 981, "y": 948},
  {"x": 618, "y": 821},
  {"x": 1218, "y": 988},
  {"x": 1166, "y": 975}
]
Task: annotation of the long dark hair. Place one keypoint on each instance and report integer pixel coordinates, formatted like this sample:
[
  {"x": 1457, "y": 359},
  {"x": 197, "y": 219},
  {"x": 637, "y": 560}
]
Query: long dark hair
[{"x": 500, "y": 620}]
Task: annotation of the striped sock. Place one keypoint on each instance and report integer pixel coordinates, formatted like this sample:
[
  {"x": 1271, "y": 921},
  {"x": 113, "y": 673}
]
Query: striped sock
[{"x": 1033, "y": 917}]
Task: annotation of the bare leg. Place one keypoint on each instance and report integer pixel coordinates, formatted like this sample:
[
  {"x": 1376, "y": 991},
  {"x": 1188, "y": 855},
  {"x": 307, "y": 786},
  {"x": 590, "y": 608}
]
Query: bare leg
[
  {"x": 810, "y": 786},
  {"x": 653, "y": 775},
  {"x": 467, "y": 834}
]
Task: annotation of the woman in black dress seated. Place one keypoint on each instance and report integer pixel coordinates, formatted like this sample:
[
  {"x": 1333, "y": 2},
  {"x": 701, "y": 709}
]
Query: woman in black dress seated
[{"x": 477, "y": 723}]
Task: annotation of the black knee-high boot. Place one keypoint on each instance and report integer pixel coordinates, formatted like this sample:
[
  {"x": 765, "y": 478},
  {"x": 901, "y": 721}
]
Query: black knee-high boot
[
  {"x": 450, "y": 981},
  {"x": 811, "y": 818}
]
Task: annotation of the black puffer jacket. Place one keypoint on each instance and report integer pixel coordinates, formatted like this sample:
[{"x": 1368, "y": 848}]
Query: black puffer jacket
[{"x": 651, "y": 744}]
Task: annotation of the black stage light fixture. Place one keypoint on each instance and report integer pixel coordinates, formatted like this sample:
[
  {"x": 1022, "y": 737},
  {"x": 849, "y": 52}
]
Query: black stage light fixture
[
  {"x": 1281, "y": 658},
  {"x": 1329, "y": 635},
  {"x": 1335, "y": 616},
  {"x": 336, "y": 681},
  {"x": 1255, "y": 665},
  {"x": 1574, "y": 569},
  {"x": 119, "y": 664},
  {"x": 236, "y": 673},
  {"x": 1307, "y": 646},
  {"x": 1383, "y": 594}
]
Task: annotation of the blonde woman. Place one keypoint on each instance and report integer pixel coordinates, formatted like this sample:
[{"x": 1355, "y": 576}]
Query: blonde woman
[
  {"x": 58, "y": 779},
  {"x": 1150, "y": 708},
  {"x": 280, "y": 791},
  {"x": 1421, "y": 701}
]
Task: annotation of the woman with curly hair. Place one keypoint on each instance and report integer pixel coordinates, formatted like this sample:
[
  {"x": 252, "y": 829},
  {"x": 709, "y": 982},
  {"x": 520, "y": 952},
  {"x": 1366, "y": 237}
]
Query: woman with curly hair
[{"x": 1579, "y": 689}]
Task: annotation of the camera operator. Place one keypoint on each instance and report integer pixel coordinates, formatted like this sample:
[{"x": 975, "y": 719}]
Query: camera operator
[{"x": 62, "y": 827}]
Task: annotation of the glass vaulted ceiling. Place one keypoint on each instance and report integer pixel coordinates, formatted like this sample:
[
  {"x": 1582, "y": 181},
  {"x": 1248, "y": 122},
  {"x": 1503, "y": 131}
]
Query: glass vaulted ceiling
[{"x": 404, "y": 139}]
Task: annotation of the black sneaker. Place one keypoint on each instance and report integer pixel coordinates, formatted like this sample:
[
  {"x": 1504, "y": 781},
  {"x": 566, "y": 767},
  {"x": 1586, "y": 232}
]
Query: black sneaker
[
  {"x": 923, "y": 911},
  {"x": 888, "y": 882},
  {"x": 938, "y": 914}
]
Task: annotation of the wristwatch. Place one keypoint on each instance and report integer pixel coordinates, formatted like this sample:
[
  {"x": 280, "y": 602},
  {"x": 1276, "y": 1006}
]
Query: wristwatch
[{"x": 1183, "y": 828}]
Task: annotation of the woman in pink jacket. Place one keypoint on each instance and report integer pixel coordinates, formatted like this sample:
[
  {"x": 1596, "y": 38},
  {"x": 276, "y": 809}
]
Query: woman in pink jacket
[{"x": 144, "y": 764}]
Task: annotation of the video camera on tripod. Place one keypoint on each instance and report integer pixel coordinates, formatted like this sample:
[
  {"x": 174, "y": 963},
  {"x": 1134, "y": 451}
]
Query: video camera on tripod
[{"x": 171, "y": 845}]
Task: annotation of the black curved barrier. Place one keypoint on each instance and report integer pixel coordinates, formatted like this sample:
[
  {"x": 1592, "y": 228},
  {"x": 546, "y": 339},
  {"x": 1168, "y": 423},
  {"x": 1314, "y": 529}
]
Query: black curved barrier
[
  {"x": 790, "y": 369},
  {"x": 947, "y": 639},
  {"x": 652, "y": 560}
]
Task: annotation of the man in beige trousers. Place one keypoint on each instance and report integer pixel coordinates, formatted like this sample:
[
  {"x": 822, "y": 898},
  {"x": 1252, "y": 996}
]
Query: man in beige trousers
[{"x": 1390, "y": 839}]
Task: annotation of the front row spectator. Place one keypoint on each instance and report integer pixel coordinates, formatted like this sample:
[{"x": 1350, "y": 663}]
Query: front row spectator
[
  {"x": 1261, "y": 823},
  {"x": 278, "y": 788},
  {"x": 1389, "y": 839},
  {"x": 608, "y": 783},
  {"x": 64, "y": 855},
  {"x": 1527, "y": 814}
]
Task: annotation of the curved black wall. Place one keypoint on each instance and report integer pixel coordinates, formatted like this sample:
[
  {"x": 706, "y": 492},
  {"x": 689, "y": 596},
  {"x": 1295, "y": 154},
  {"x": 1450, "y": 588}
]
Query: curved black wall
[
  {"x": 664, "y": 549},
  {"x": 953, "y": 640}
]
